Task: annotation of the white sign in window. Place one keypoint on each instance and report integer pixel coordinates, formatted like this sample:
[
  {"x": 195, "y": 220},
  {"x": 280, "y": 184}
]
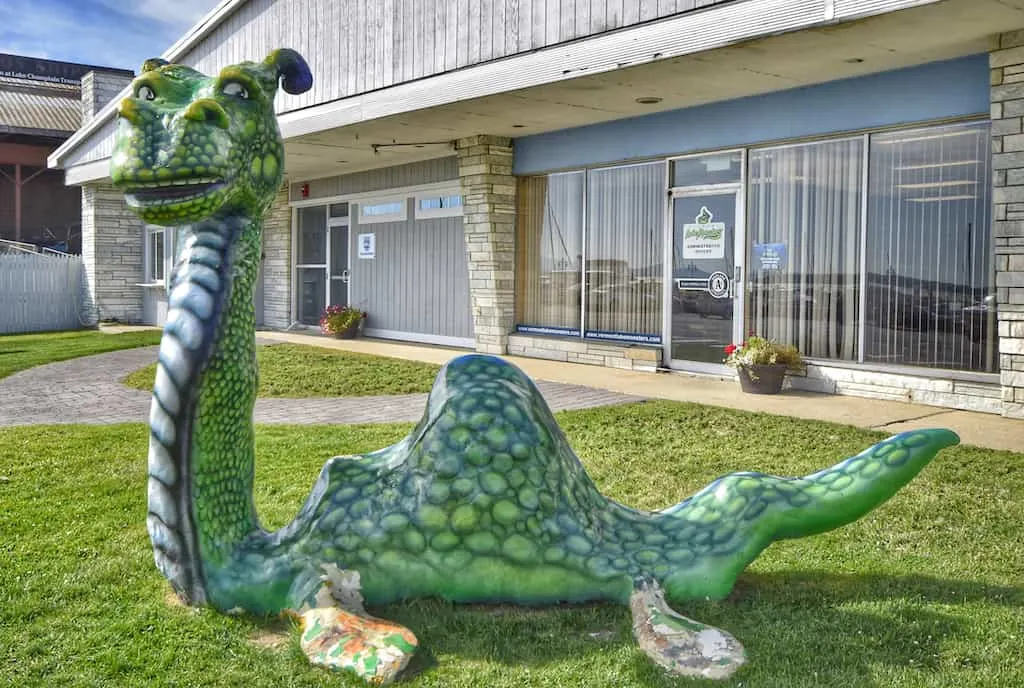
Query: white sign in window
[
  {"x": 367, "y": 246},
  {"x": 704, "y": 238}
]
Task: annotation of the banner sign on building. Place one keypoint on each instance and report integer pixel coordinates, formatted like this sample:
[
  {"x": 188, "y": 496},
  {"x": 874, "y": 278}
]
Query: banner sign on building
[
  {"x": 704, "y": 239},
  {"x": 35, "y": 69}
]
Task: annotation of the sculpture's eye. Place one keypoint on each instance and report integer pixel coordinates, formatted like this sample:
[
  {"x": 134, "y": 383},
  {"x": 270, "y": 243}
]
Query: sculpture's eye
[
  {"x": 145, "y": 92},
  {"x": 235, "y": 89}
]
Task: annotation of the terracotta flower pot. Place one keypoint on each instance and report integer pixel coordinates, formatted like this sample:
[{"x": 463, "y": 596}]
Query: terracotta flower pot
[{"x": 762, "y": 378}]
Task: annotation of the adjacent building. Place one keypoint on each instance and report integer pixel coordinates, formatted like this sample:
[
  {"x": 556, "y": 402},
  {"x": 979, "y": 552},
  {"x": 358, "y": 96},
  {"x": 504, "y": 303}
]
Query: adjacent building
[
  {"x": 41, "y": 106},
  {"x": 635, "y": 184}
]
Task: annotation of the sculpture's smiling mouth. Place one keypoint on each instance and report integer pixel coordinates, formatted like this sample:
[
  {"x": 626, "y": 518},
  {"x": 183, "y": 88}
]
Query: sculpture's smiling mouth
[{"x": 171, "y": 193}]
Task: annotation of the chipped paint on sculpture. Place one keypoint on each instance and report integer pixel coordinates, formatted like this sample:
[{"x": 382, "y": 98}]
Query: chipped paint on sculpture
[{"x": 484, "y": 501}]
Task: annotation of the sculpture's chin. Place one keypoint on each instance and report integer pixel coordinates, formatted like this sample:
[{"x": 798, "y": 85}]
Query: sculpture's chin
[{"x": 177, "y": 202}]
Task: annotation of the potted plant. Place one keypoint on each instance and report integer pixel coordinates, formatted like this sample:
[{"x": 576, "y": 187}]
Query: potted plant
[
  {"x": 343, "y": 322},
  {"x": 762, "y": 363}
]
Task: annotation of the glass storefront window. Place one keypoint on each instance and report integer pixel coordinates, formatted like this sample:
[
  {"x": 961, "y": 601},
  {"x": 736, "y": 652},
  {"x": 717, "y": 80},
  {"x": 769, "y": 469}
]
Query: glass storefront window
[
  {"x": 549, "y": 253},
  {"x": 715, "y": 168},
  {"x": 930, "y": 274},
  {"x": 804, "y": 235},
  {"x": 625, "y": 226}
]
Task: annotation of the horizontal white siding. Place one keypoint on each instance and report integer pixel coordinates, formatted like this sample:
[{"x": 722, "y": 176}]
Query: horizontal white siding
[{"x": 355, "y": 46}]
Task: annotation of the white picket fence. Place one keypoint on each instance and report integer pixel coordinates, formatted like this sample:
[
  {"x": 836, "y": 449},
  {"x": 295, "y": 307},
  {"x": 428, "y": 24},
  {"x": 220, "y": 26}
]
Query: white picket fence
[{"x": 43, "y": 291}]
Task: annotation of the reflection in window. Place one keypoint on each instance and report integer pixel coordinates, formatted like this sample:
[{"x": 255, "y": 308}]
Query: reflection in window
[
  {"x": 549, "y": 253},
  {"x": 804, "y": 237},
  {"x": 625, "y": 225},
  {"x": 930, "y": 283},
  {"x": 312, "y": 236}
]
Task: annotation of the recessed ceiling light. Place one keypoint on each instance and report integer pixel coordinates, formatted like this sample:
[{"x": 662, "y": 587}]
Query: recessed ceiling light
[
  {"x": 518, "y": 126},
  {"x": 648, "y": 100},
  {"x": 855, "y": 60}
]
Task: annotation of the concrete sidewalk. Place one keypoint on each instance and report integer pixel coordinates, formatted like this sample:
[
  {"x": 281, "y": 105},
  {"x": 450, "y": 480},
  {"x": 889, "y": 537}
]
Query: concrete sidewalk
[{"x": 980, "y": 429}]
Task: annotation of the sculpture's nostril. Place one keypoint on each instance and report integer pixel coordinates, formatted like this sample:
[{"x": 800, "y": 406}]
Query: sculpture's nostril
[
  {"x": 207, "y": 110},
  {"x": 129, "y": 110}
]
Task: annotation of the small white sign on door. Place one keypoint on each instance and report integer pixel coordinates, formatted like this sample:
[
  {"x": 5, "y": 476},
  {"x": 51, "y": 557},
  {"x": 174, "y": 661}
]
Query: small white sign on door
[
  {"x": 704, "y": 238},
  {"x": 367, "y": 246}
]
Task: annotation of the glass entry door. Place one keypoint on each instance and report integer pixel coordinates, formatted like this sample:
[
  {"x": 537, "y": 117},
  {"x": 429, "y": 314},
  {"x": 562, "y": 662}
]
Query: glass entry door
[
  {"x": 706, "y": 309},
  {"x": 321, "y": 260},
  {"x": 339, "y": 265}
]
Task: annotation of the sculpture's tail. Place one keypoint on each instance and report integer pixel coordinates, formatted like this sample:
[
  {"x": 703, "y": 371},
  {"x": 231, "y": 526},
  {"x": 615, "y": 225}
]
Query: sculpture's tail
[{"x": 734, "y": 518}]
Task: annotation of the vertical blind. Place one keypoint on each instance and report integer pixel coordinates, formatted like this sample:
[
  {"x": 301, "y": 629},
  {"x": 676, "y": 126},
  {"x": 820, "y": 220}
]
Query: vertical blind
[
  {"x": 625, "y": 226},
  {"x": 807, "y": 198},
  {"x": 549, "y": 250},
  {"x": 930, "y": 279}
]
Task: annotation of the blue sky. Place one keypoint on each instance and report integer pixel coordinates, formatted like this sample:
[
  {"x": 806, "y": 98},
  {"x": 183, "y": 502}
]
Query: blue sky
[{"x": 107, "y": 33}]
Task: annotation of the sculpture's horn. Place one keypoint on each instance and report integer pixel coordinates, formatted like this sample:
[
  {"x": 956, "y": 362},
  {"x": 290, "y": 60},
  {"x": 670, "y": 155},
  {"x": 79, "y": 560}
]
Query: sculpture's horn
[
  {"x": 291, "y": 68},
  {"x": 154, "y": 63}
]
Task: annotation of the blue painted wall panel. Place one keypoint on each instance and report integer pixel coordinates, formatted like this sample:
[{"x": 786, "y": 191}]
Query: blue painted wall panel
[{"x": 953, "y": 88}]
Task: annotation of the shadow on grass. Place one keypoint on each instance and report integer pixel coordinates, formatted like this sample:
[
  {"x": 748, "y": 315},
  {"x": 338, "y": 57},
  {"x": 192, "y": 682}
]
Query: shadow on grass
[{"x": 799, "y": 628}]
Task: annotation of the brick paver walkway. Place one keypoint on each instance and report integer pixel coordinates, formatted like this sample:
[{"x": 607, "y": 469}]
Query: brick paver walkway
[{"x": 87, "y": 390}]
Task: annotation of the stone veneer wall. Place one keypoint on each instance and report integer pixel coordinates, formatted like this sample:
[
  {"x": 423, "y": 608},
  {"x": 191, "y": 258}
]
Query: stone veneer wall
[
  {"x": 575, "y": 350},
  {"x": 112, "y": 250},
  {"x": 1006, "y": 60},
  {"x": 277, "y": 262},
  {"x": 489, "y": 212}
]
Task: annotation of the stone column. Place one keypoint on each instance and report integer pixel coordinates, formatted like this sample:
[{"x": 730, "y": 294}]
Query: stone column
[
  {"x": 1006, "y": 60},
  {"x": 277, "y": 262},
  {"x": 112, "y": 251},
  {"x": 489, "y": 208}
]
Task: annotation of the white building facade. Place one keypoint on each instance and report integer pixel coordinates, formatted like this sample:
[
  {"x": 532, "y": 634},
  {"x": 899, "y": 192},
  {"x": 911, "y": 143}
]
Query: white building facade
[{"x": 639, "y": 184}]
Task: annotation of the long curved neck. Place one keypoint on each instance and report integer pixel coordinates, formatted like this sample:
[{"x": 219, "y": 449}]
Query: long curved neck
[
  {"x": 223, "y": 447},
  {"x": 201, "y": 457}
]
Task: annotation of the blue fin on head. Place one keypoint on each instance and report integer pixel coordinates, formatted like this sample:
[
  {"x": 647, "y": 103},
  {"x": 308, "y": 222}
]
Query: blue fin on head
[{"x": 291, "y": 67}]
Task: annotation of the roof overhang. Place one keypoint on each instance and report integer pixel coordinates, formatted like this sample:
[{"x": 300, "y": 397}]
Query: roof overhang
[{"x": 728, "y": 51}]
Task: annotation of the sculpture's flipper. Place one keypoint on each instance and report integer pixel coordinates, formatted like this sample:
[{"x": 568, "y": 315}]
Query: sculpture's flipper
[{"x": 681, "y": 645}]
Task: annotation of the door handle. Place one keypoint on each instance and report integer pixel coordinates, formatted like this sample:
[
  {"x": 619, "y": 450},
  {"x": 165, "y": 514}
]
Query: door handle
[{"x": 344, "y": 276}]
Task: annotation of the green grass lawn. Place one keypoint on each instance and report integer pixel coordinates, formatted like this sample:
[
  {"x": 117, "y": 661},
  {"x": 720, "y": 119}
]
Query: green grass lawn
[
  {"x": 21, "y": 351},
  {"x": 296, "y": 370},
  {"x": 924, "y": 591}
]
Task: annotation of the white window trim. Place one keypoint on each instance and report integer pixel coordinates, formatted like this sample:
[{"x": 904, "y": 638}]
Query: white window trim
[
  {"x": 148, "y": 277},
  {"x": 430, "y": 213},
  {"x": 399, "y": 216}
]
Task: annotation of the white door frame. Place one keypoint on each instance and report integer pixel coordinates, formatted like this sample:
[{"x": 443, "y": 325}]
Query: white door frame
[{"x": 738, "y": 277}]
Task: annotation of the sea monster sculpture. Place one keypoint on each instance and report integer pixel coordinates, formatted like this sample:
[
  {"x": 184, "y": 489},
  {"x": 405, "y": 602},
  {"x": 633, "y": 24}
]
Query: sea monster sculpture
[{"x": 484, "y": 501}]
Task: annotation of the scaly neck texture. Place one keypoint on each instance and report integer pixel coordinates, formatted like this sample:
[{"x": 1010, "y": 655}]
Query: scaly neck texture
[{"x": 222, "y": 449}]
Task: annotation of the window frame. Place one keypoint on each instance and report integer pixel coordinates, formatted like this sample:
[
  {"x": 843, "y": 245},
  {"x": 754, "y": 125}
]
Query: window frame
[
  {"x": 149, "y": 276},
  {"x": 399, "y": 216},
  {"x": 431, "y": 213}
]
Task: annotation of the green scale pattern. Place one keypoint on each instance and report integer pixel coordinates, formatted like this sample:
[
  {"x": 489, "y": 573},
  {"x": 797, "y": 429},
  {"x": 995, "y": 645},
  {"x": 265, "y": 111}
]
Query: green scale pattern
[{"x": 486, "y": 501}]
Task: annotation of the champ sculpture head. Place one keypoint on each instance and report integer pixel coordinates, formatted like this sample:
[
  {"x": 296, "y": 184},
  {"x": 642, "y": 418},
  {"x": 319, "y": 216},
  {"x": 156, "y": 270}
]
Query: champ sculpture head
[{"x": 191, "y": 145}]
